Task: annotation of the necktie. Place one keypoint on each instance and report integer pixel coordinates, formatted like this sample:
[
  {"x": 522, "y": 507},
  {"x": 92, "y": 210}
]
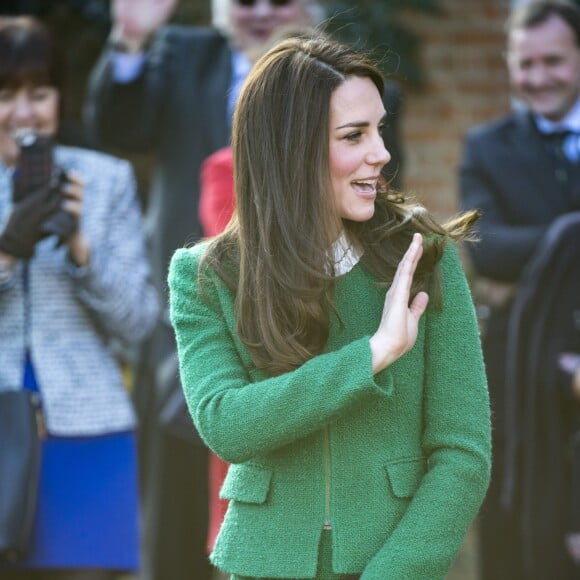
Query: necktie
[
  {"x": 571, "y": 146},
  {"x": 565, "y": 144}
]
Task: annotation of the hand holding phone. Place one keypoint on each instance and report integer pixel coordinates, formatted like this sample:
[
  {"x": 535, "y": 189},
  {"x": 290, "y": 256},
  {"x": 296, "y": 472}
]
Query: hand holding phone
[
  {"x": 24, "y": 227},
  {"x": 34, "y": 169},
  {"x": 34, "y": 199}
]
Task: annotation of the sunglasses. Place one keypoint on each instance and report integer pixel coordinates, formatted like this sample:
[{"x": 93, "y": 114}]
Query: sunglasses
[{"x": 275, "y": 3}]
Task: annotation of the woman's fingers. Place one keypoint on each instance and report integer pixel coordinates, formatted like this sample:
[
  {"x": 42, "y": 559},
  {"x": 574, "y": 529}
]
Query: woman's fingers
[
  {"x": 411, "y": 259},
  {"x": 403, "y": 279},
  {"x": 72, "y": 193},
  {"x": 419, "y": 304}
]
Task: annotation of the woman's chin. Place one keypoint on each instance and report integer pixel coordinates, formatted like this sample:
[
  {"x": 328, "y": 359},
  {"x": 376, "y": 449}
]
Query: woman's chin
[{"x": 360, "y": 215}]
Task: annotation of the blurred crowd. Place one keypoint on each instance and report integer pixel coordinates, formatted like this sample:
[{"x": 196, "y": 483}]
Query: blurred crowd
[{"x": 127, "y": 485}]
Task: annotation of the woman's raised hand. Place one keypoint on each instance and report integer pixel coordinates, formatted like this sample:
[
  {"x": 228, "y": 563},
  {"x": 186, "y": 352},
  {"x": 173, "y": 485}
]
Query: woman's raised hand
[{"x": 397, "y": 331}]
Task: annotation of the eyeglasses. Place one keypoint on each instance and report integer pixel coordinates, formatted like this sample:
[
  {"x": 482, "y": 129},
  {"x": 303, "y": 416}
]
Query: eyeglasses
[{"x": 275, "y": 3}]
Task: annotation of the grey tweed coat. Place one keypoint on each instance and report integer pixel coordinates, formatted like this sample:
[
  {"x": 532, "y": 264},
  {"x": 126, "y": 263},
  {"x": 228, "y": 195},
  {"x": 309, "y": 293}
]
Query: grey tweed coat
[{"x": 77, "y": 315}]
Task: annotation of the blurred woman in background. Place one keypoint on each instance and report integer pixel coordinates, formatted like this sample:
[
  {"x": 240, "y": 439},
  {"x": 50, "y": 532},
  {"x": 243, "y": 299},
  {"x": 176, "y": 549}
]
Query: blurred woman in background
[{"x": 74, "y": 294}]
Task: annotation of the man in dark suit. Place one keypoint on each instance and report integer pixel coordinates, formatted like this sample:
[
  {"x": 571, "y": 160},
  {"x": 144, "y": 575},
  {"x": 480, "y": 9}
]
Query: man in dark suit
[
  {"x": 522, "y": 172},
  {"x": 170, "y": 90}
]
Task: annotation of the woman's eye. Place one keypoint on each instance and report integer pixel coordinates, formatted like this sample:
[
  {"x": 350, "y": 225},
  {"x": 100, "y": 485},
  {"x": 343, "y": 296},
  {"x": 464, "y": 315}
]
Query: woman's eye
[
  {"x": 382, "y": 128},
  {"x": 353, "y": 136},
  {"x": 40, "y": 94}
]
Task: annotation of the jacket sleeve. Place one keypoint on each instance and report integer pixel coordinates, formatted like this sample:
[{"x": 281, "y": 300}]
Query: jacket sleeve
[
  {"x": 456, "y": 442},
  {"x": 116, "y": 285},
  {"x": 241, "y": 417},
  {"x": 128, "y": 116},
  {"x": 504, "y": 248}
]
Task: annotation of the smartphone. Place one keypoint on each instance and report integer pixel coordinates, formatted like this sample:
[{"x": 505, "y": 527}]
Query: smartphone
[{"x": 34, "y": 168}]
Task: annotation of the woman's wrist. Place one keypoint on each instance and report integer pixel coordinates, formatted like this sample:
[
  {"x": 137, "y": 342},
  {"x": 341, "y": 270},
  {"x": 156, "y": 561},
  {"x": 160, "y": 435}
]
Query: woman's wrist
[
  {"x": 380, "y": 358},
  {"x": 7, "y": 263},
  {"x": 79, "y": 251},
  {"x": 7, "y": 260}
]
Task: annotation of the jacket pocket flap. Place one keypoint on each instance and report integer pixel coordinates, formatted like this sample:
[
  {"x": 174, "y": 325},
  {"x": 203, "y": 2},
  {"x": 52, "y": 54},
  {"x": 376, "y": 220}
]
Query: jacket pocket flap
[
  {"x": 405, "y": 476},
  {"x": 246, "y": 483}
]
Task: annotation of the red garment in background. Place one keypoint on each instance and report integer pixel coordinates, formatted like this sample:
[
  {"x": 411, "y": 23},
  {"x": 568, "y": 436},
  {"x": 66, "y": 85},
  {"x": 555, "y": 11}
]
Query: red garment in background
[
  {"x": 216, "y": 201},
  {"x": 216, "y": 205}
]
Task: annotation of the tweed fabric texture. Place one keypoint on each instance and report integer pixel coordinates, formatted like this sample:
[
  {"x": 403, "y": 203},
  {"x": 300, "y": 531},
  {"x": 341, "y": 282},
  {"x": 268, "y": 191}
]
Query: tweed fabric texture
[
  {"x": 401, "y": 459},
  {"x": 324, "y": 567},
  {"x": 80, "y": 316}
]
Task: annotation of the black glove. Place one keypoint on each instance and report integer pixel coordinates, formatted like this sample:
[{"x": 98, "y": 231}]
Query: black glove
[
  {"x": 24, "y": 227},
  {"x": 61, "y": 223}
]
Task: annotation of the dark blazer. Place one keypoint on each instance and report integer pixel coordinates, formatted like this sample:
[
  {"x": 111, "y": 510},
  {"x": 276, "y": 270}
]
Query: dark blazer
[
  {"x": 521, "y": 187},
  {"x": 507, "y": 172},
  {"x": 545, "y": 321},
  {"x": 178, "y": 109},
  {"x": 510, "y": 173}
]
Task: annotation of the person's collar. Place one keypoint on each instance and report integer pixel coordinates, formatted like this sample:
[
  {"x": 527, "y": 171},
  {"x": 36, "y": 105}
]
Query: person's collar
[
  {"x": 571, "y": 122},
  {"x": 345, "y": 255},
  {"x": 241, "y": 65}
]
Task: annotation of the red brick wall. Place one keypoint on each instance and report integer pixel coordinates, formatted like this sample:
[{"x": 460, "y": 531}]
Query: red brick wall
[{"x": 466, "y": 84}]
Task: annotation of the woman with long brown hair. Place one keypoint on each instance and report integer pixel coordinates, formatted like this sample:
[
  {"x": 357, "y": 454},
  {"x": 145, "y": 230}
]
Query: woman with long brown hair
[{"x": 327, "y": 341}]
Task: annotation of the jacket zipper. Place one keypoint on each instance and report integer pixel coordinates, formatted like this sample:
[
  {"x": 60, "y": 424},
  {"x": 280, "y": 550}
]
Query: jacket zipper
[{"x": 327, "y": 525}]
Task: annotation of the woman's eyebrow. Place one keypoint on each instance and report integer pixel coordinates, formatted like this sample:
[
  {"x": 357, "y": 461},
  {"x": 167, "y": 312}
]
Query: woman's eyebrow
[
  {"x": 354, "y": 124},
  {"x": 359, "y": 124}
]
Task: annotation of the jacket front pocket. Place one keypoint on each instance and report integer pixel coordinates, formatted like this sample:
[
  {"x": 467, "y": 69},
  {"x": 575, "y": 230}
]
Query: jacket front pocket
[
  {"x": 246, "y": 483},
  {"x": 405, "y": 476}
]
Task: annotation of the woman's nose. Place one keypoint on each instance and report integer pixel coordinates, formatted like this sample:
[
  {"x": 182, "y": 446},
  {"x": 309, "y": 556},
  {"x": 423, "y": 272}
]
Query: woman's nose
[
  {"x": 262, "y": 8},
  {"x": 379, "y": 155},
  {"x": 22, "y": 107}
]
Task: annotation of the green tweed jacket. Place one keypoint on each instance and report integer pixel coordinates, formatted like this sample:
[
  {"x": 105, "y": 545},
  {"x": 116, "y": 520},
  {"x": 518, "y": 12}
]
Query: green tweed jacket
[{"x": 397, "y": 464}]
